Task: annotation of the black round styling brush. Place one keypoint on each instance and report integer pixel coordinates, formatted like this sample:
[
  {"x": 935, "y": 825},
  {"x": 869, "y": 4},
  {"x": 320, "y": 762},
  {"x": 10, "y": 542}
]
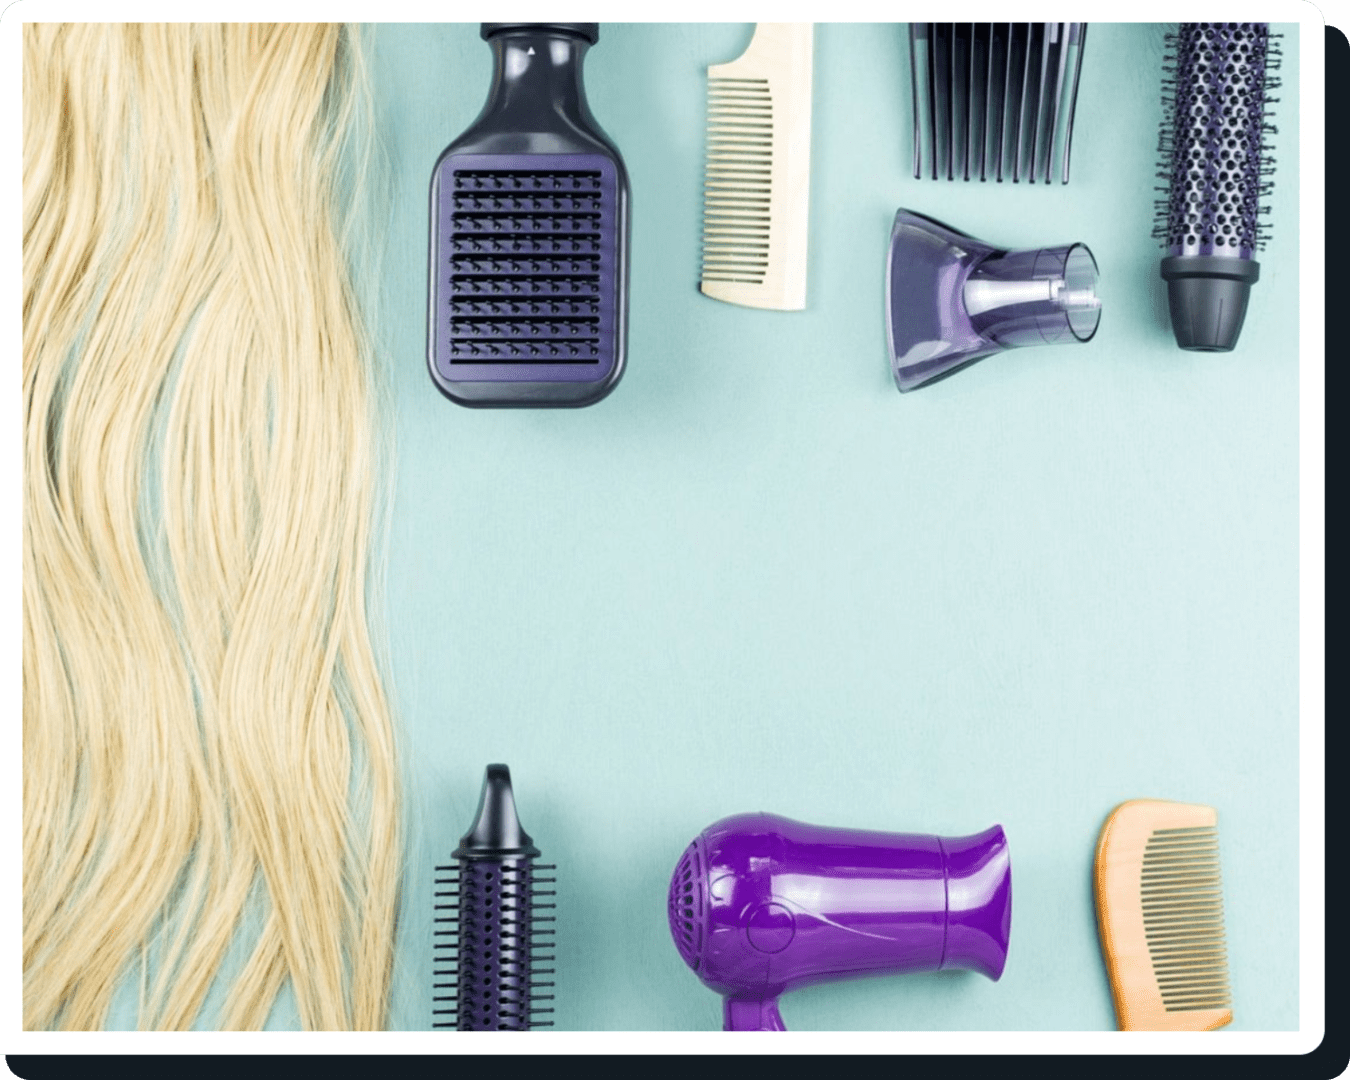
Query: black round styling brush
[
  {"x": 1217, "y": 164},
  {"x": 493, "y": 923}
]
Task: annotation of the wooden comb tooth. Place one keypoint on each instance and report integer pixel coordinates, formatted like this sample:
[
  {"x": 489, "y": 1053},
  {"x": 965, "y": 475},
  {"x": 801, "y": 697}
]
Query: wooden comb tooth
[
  {"x": 1160, "y": 914},
  {"x": 757, "y": 171}
]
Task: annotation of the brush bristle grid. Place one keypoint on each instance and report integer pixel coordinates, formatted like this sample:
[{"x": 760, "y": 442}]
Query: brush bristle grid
[
  {"x": 1182, "y": 898},
  {"x": 492, "y": 931},
  {"x": 525, "y": 267},
  {"x": 1213, "y": 146},
  {"x": 737, "y": 181}
]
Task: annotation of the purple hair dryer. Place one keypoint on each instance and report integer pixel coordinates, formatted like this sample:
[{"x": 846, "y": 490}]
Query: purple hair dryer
[{"x": 760, "y": 905}]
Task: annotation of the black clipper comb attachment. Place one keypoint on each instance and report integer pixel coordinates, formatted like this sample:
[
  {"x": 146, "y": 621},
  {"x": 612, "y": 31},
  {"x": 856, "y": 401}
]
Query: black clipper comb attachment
[
  {"x": 494, "y": 923},
  {"x": 994, "y": 100},
  {"x": 529, "y": 235}
]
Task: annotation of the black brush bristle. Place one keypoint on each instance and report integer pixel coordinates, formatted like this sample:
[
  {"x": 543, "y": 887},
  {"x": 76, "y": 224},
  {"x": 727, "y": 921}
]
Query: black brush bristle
[{"x": 494, "y": 923}]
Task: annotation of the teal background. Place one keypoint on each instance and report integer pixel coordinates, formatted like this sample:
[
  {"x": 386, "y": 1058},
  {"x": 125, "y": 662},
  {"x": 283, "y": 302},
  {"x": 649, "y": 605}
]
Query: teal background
[{"x": 757, "y": 577}]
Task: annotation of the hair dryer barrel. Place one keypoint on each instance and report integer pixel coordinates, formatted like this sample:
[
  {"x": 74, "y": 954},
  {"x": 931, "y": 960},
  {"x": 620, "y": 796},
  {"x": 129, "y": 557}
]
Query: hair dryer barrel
[{"x": 760, "y": 904}]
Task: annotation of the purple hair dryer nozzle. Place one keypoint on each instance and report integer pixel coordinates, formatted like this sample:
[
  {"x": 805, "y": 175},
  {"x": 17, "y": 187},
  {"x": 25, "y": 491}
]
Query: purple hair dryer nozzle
[
  {"x": 952, "y": 299},
  {"x": 760, "y": 904}
]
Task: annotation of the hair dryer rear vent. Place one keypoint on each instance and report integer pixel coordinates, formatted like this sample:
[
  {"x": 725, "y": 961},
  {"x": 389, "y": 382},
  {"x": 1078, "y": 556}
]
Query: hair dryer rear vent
[{"x": 688, "y": 906}]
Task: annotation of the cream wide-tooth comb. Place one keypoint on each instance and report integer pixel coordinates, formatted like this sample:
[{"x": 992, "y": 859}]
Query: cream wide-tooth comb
[
  {"x": 757, "y": 179},
  {"x": 1160, "y": 915}
]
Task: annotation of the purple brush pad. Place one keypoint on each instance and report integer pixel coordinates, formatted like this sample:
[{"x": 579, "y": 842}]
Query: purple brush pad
[{"x": 524, "y": 268}]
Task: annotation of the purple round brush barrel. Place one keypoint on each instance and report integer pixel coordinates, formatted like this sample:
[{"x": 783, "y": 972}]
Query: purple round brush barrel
[
  {"x": 952, "y": 299},
  {"x": 760, "y": 904},
  {"x": 1214, "y": 161}
]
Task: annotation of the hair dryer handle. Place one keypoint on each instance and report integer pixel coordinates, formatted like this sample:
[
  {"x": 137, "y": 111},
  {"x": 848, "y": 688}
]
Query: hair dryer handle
[{"x": 751, "y": 1014}]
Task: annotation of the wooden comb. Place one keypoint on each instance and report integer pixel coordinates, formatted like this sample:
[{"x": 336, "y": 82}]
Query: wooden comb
[
  {"x": 1160, "y": 915},
  {"x": 758, "y": 171}
]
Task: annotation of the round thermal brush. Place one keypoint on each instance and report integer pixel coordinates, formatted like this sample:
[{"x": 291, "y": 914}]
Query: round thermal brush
[
  {"x": 494, "y": 918},
  {"x": 1216, "y": 164}
]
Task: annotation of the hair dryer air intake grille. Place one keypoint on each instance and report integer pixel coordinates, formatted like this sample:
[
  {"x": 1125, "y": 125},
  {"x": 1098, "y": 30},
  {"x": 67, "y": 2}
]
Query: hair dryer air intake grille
[{"x": 687, "y": 906}]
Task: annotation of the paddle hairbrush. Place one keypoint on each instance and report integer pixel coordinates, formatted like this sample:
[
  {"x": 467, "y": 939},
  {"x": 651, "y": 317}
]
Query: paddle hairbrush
[
  {"x": 529, "y": 235},
  {"x": 1160, "y": 915}
]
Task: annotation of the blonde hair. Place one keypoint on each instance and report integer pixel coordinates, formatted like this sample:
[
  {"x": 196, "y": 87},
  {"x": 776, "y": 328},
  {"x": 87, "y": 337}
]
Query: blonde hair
[{"x": 205, "y": 732}]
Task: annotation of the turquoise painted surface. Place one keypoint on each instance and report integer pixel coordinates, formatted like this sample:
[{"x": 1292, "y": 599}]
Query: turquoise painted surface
[{"x": 757, "y": 577}]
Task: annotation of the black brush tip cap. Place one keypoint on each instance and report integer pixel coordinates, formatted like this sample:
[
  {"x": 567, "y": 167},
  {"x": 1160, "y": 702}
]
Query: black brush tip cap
[
  {"x": 496, "y": 830},
  {"x": 588, "y": 30}
]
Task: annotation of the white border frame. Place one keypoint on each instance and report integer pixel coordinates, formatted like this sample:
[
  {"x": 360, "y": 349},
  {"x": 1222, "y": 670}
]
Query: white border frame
[{"x": 1312, "y": 588}]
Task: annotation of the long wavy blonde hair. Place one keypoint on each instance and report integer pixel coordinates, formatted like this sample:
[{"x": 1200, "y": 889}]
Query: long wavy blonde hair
[{"x": 205, "y": 732}]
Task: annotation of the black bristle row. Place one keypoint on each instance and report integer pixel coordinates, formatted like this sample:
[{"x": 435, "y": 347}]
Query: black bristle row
[{"x": 1213, "y": 141}]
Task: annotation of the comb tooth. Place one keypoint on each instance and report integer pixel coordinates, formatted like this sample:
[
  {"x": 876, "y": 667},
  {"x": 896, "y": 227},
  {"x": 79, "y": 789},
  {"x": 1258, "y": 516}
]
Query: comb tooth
[
  {"x": 988, "y": 98},
  {"x": 961, "y": 93},
  {"x": 1015, "y": 93},
  {"x": 914, "y": 94},
  {"x": 952, "y": 83},
  {"x": 1000, "y": 56},
  {"x": 1061, "y": 55},
  {"x": 931, "y": 36},
  {"x": 1048, "y": 31}
]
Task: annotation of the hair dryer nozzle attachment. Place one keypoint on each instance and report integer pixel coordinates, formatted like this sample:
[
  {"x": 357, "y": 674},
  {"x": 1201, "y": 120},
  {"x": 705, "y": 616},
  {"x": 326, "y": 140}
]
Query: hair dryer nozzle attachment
[{"x": 952, "y": 299}]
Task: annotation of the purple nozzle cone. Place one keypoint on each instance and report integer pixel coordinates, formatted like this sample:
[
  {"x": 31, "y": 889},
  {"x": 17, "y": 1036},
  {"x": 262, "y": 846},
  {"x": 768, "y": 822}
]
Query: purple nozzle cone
[
  {"x": 952, "y": 299},
  {"x": 979, "y": 902}
]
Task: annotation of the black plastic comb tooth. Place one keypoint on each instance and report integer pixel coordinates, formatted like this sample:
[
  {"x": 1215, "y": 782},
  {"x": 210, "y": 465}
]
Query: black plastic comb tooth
[
  {"x": 494, "y": 923},
  {"x": 529, "y": 235}
]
